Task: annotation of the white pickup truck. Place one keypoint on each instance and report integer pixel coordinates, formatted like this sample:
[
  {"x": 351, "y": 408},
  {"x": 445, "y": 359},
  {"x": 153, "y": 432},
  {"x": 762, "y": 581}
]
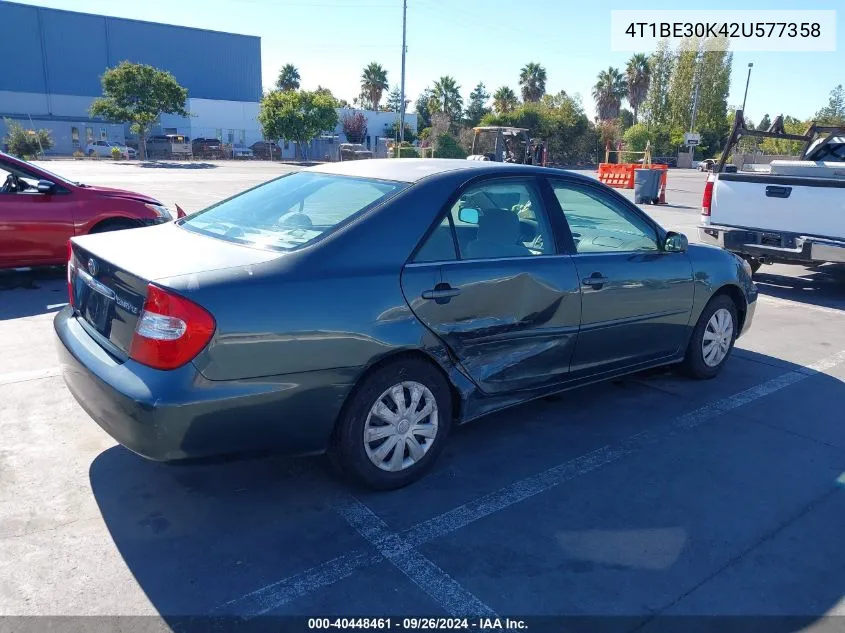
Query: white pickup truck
[{"x": 795, "y": 213}]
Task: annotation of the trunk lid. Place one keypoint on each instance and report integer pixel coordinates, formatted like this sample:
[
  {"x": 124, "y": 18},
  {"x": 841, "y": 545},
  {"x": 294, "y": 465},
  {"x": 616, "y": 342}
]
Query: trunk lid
[{"x": 109, "y": 281}]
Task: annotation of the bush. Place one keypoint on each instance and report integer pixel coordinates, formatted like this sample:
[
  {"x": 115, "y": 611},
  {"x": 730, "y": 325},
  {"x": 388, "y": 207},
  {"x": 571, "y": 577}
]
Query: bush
[
  {"x": 115, "y": 153},
  {"x": 77, "y": 154},
  {"x": 446, "y": 146},
  {"x": 24, "y": 142},
  {"x": 425, "y": 134},
  {"x": 354, "y": 126},
  {"x": 406, "y": 151}
]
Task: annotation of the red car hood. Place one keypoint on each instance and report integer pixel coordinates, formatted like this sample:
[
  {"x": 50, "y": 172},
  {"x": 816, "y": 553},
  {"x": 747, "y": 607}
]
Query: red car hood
[{"x": 120, "y": 193}]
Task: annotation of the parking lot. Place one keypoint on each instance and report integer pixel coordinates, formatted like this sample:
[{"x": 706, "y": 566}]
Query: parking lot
[{"x": 635, "y": 500}]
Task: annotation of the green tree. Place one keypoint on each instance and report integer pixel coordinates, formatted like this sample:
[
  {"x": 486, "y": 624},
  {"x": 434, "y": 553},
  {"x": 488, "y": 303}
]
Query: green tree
[
  {"x": 394, "y": 100},
  {"x": 608, "y": 92},
  {"x": 373, "y": 83},
  {"x": 477, "y": 106},
  {"x": 446, "y": 98},
  {"x": 288, "y": 78},
  {"x": 446, "y": 146},
  {"x": 297, "y": 115},
  {"x": 505, "y": 100},
  {"x": 764, "y": 123},
  {"x": 714, "y": 77},
  {"x": 834, "y": 112},
  {"x": 423, "y": 108},
  {"x": 338, "y": 103},
  {"x": 532, "y": 81},
  {"x": 636, "y": 138},
  {"x": 656, "y": 105},
  {"x": 25, "y": 143},
  {"x": 682, "y": 85},
  {"x": 139, "y": 94},
  {"x": 638, "y": 78},
  {"x": 626, "y": 119}
]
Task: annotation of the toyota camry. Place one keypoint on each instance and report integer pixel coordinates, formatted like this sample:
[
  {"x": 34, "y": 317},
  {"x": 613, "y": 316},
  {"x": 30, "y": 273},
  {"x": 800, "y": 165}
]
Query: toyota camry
[{"x": 363, "y": 308}]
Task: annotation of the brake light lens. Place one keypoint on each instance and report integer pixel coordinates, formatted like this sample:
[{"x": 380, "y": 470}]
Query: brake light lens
[
  {"x": 707, "y": 199},
  {"x": 171, "y": 330},
  {"x": 71, "y": 266}
]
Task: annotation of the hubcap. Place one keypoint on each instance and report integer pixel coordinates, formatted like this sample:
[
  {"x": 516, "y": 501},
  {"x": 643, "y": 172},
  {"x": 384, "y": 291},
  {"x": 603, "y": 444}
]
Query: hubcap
[
  {"x": 718, "y": 336},
  {"x": 401, "y": 426}
]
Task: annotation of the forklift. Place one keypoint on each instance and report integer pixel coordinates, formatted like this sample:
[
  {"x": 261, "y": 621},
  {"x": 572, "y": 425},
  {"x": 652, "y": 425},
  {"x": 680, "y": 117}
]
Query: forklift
[{"x": 503, "y": 144}]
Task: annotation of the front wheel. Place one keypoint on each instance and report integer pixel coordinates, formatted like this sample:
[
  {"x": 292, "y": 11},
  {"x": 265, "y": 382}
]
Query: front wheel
[
  {"x": 394, "y": 425},
  {"x": 712, "y": 339}
]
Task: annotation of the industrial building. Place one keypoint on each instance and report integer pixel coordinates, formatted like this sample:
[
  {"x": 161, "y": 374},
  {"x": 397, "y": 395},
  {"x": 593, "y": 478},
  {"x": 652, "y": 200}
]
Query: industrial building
[
  {"x": 56, "y": 59},
  {"x": 59, "y": 57}
]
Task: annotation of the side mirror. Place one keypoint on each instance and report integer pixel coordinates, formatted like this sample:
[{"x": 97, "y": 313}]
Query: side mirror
[
  {"x": 470, "y": 216},
  {"x": 45, "y": 186},
  {"x": 675, "y": 242}
]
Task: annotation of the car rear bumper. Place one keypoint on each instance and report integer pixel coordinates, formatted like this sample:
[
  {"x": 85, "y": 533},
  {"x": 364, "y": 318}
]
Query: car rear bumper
[
  {"x": 179, "y": 414},
  {"x": 773, "y": 246}
]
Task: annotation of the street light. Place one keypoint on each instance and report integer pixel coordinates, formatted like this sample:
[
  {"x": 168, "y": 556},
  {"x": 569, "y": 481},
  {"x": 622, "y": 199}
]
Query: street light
[{"x": 747, "y": 81}]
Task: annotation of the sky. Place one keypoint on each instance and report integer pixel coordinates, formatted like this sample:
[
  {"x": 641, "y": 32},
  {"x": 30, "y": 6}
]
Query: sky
[{"x": 330, "y": 41}]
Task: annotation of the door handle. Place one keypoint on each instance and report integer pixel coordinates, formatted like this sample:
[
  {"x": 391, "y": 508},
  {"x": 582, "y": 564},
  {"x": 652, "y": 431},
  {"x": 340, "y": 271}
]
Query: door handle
[
  {"x": 773, "y": 191},
  {"x": 596, "y": 281},
  {"x": 441, "y": 292}
]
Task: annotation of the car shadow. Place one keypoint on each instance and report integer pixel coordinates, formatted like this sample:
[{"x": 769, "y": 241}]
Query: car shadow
[
  {"x": 196, "y": 537},
  {"x": 156, "y": 164},
  {"x": 822, "y": 285},
  {"x": 31, "y": 292}
]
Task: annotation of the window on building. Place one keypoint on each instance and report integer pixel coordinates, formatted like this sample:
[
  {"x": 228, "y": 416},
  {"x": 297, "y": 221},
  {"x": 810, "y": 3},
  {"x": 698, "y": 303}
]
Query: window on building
[
  {"x": 368, "y": 143},
  {"x": 377, "y": 143},
  {"x": 242, "y": 137},
  {"x": 218, "y": 134},
  {"x": 103, "y": 133},
  {"x": 230, "y": 136},
  {"x": 170, "y": 130},
  {"x": 74, "y": 136},
  {"x": 287, "y": 144},
  {"x": 89, "y": 135}
]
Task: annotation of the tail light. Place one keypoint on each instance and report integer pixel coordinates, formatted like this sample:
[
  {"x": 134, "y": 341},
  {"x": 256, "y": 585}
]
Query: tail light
[
  {"x": 171, "y": 330},
  {"x": 71, "y": 266},
  {"x": 707, "y": 199}
]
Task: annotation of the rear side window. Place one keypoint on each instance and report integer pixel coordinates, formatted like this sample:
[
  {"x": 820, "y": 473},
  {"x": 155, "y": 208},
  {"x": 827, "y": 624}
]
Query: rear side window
[{"x": 292, "y": 211}]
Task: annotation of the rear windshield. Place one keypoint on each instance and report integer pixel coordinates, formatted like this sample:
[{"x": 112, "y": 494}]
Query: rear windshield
[{"x": 291, "y": 211}]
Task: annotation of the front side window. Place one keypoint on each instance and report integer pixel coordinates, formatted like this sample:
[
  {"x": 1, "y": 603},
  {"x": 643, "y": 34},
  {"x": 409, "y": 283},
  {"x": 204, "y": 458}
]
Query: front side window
[
  {"x": 501, "y": 218},
  {"x": 291, "y": 211},
  {"x": 600, "y": 225}
]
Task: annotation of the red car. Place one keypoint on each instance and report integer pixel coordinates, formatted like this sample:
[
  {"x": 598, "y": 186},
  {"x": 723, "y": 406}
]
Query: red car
[{"x": 40, "y": 212}]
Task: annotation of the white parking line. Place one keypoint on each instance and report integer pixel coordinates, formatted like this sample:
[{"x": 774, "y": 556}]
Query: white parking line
[
  {"x": 35, "y": 374},
  {"x": 789, "y": 303},
  {"x": 276, "y": 595},
  {"x": 439, "y": 585}
]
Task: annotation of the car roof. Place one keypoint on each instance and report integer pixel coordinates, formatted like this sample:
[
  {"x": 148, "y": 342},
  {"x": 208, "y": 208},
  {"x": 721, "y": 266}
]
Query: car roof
[{"x": 414, "y": 169}]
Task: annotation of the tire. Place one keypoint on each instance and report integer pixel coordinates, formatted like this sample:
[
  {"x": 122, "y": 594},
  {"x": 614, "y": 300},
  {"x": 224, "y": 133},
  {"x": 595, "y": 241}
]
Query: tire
[
  {"x": 696, "y": 363},
  {"x": 357, "y": 458},
  {"x": 113, "y": 225}
]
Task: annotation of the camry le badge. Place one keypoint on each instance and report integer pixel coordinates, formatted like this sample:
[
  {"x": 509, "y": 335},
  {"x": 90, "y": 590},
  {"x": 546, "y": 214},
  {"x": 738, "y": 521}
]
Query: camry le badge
[{"x": 93, "y": 267}]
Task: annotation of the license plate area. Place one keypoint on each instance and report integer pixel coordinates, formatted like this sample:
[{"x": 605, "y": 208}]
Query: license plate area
[
  {"x": 96, "y": 303},
  {"x": 771, "y": 239}
]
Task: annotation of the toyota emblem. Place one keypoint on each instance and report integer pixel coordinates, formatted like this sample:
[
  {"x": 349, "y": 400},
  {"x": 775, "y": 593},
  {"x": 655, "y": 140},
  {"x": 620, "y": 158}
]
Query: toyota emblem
[{"x": 93, "y": 267}]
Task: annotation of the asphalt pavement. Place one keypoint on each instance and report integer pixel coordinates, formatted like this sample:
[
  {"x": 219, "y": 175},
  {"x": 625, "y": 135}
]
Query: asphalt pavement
[{"x": 628, "y": 504}]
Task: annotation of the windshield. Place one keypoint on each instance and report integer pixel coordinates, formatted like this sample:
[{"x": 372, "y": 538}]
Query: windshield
[
  {"x": 291, "y": 211},
  {"x": 484, "y": 142},
  {"x": 50, "y": 175}
]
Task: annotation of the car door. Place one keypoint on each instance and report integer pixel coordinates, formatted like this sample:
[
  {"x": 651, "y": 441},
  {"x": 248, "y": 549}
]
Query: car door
[
  {"x": 636, "y": 297},
  {"x": 490, "y": 283},
  {"x": 34, "y": 227}
]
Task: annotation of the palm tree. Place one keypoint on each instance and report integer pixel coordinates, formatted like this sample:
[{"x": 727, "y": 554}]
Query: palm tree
[
  {"x": 446, "y": 97},
  {"x": 638, "y": 74},
  {"x": 532, "y": 80},
  {"x": 374, "y": 83},
  {"x": 608, "y": 93},
  {"x": 504, "y": 100},
  {"x": 288, "y": 78}
]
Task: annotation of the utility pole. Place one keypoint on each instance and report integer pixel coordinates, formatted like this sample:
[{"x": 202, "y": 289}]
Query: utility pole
[
  {"x": 694, "y": 112},
  {"x": 402, "y": 88}
]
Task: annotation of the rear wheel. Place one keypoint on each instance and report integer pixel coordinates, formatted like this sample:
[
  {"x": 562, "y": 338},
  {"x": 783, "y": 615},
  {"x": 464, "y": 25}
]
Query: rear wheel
[
  {"x": 394, "y": 425},
  {"x": 712, "y": 339}
]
